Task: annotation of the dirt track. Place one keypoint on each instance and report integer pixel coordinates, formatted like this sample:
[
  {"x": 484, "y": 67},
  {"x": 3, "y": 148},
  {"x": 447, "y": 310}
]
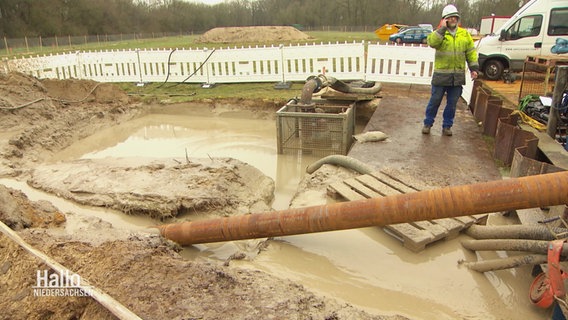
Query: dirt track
[{"x": 140, "y": 270}]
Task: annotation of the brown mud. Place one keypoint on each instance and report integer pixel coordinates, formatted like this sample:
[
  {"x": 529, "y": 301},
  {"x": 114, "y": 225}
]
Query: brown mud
[{"x": 139, "y": 269}]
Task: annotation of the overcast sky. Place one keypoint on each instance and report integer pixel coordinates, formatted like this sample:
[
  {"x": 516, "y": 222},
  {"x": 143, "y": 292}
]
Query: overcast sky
[{"x": 209, "y": 1}]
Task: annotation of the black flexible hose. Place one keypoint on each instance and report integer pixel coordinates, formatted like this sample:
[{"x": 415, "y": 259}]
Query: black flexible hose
[
  {"x": 200, "y": 66},
  {"x": 168, "y": 73}
]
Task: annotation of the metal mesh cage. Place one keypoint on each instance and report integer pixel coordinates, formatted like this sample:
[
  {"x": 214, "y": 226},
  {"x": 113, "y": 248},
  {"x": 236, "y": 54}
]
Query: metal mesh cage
[
  {"x": 538, "y": 75},
  {"x": 321, "y": 130}
]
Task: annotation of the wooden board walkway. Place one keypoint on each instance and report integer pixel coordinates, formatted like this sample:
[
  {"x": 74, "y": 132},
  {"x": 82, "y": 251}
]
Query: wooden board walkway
[{"x": 415, "y": 235}]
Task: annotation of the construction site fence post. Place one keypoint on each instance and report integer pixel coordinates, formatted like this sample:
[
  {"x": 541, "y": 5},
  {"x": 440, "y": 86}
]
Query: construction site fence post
[{"x": 560, "y": 81}]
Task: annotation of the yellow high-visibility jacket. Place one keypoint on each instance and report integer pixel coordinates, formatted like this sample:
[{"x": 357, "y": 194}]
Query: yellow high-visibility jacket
[{"x": 452, "y": 53}]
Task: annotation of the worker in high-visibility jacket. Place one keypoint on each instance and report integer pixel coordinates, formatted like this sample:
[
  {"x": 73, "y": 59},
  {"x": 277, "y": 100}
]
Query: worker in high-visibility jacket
[{"x": 454, "y": 47}]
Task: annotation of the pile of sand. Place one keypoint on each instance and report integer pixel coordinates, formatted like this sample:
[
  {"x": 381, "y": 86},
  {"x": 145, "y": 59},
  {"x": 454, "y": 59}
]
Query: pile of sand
[{"x": 252, "y": 34}]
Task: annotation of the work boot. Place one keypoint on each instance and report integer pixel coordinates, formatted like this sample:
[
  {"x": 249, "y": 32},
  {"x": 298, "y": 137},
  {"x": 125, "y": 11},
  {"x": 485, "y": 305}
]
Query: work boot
[
  {"x": 426, "y": 129},
  {"x": 447, "y": 131}
]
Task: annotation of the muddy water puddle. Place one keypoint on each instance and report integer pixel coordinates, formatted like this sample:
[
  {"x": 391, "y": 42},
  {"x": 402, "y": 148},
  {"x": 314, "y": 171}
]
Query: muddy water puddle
[
  {"x": 370, "y": 269},
  {"x": 364, "y": 267},
  {"x": 197, "y": 136},
  {"x": 77, "y": 220}
]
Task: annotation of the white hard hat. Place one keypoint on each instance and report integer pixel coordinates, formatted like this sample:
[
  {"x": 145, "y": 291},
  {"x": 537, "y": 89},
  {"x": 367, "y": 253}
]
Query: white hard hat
[{"x": 450, "y": 11}]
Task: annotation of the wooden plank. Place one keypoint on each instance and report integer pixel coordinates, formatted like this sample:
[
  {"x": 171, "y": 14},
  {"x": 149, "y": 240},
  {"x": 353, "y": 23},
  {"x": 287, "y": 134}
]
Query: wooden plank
[
  {"x": 480, "y": 216},
  {"x": 115, "y": 307},
  {"x": 336, "y": 96},
  {"x": 403, "y": 188},
  {"x": 414, "y": 235},
  {"x": 353, "y": 183},
  {"x": 466, "y": 220},
  {"x": 376, "y": 185},
  {"x": 547, "y": 60},
  {"x": 452, "y": 226},
  {"x": 332, "y": 193},
  {"x": 346, "y": 191},
  {"x": 530, "y": 216},
  {"x": 534, "y": 216},
  {"x": 412, "y": 238},
  {"x": 438, "y": 232},
  {"x": 406, "y": 179}
]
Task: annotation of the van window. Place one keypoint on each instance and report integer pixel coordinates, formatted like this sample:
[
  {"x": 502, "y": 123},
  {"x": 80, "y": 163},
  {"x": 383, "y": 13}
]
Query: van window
[
  {"x": 558, "y": 22},
  {"x": 525, "y": 27}
]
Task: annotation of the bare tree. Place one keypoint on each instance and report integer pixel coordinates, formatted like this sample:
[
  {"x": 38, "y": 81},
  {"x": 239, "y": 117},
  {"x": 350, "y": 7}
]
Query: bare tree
[{"x": 81, "y": 17}]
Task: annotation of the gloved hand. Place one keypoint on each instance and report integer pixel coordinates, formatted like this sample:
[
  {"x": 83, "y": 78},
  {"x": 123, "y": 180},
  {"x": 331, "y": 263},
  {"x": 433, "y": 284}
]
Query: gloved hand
[{"x": 442, "y": 30}]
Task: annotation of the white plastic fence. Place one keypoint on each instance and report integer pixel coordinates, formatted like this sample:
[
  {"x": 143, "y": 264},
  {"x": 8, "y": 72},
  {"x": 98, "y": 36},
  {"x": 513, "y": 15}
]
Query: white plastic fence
[
  {"x": 342, "y": 61},
  {"x": 345, "y": 61},
  {"x": 403, "y": 64}
]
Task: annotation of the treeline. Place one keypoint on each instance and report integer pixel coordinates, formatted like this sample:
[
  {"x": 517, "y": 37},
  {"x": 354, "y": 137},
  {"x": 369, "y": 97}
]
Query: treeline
[{"x": 19, "y": 18}]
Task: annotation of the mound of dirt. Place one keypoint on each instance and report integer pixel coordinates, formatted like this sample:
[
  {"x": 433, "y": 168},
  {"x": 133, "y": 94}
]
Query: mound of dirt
[
  {"x": 18, "y": 212},
  {"x": 40, "y": 118},
  {"x": 221, "y": 185},
  {"x": 84, "y": 90},
  {"x": 148, "y": 276},
  {"x": 252, "y": 34},
  {"x": 17, "y": 89}
]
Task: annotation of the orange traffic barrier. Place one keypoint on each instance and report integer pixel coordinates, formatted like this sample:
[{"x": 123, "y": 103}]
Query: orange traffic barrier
[{"x": 495, "y": 196}]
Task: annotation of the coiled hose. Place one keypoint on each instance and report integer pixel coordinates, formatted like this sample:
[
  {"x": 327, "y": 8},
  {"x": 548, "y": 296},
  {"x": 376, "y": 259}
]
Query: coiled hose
[{"x": 343, "y": 161}]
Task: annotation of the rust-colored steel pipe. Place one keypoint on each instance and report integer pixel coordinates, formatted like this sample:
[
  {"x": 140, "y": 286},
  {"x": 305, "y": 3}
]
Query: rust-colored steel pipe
[{"x": 495, "y": 196}]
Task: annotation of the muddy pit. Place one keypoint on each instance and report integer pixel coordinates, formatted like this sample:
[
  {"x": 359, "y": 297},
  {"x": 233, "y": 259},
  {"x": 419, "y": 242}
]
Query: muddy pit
[{"x": 82, "y": 161}]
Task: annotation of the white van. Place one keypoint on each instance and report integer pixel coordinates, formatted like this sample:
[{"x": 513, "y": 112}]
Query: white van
[{"x": 533, "y": 30}]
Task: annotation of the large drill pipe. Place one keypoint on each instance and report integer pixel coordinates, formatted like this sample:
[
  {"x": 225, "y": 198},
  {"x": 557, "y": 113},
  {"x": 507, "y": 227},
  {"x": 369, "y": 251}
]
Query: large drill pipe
[{"x": 495, "y": 196}]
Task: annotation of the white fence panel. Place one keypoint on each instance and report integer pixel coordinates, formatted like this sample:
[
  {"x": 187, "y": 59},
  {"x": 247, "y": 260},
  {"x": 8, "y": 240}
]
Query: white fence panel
[
  {"x": 172, "y": 65},
  {"x": 344, "y": 61},
  {"x": 60, "y": 66},
  {"x": 252, "y": 64},
  {"x": 154, "y": 65},
  {"x": 402, "y": 64},
  {"x": 186, "y": 65},
  {"x": 110, "y": 66}
]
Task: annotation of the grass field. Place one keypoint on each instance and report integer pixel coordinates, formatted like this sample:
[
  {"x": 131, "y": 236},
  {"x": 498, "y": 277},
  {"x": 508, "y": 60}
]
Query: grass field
[
  {"x": 187, "y": 41},
  {"x": 176, "y": 92}
]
